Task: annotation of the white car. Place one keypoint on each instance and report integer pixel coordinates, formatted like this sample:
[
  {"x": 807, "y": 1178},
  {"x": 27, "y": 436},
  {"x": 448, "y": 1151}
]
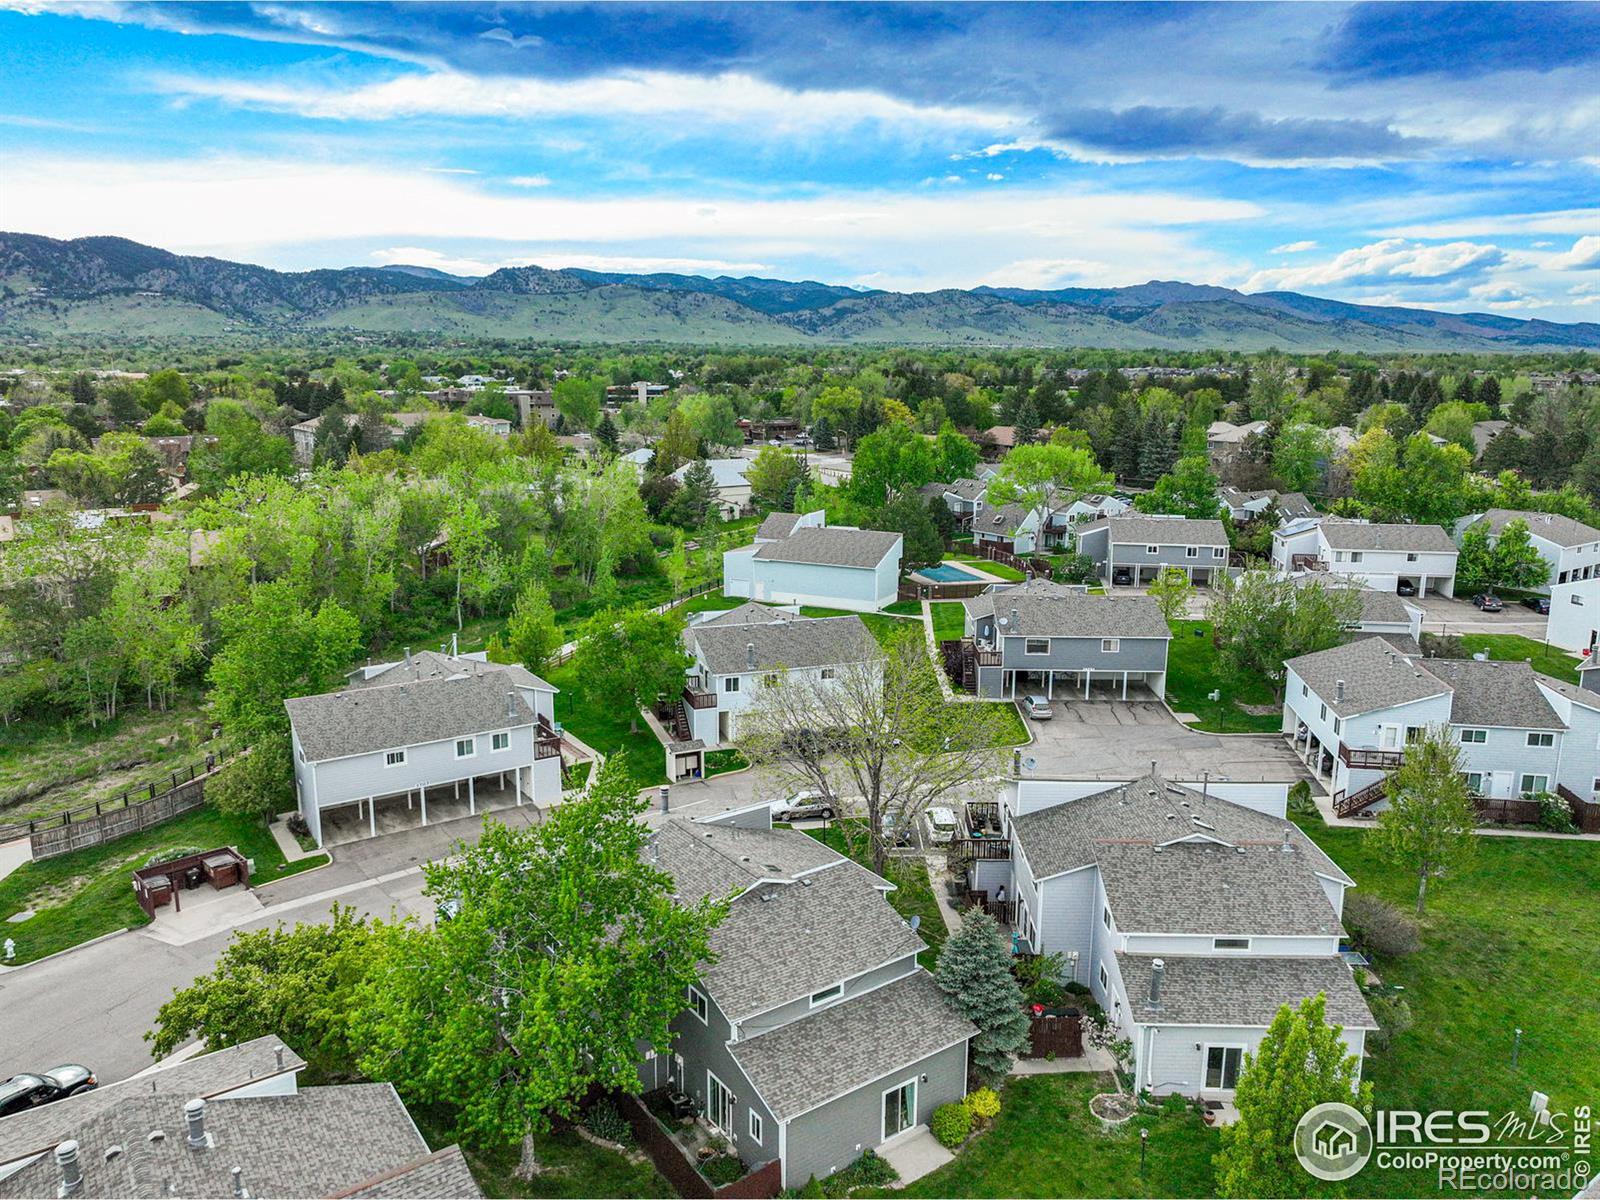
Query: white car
[
  {"x": 1037, "y": 707},
  {"x": 941, "y": 824},
  {"x": 804, "y": 806}
]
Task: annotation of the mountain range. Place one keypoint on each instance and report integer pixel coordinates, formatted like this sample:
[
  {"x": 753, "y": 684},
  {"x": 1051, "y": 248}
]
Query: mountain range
[{"x": 111, "y": 286}]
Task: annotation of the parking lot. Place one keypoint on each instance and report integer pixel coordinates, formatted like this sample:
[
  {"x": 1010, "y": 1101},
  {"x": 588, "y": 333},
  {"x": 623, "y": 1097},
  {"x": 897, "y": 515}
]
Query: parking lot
[{"x": 1458, "y": 616}]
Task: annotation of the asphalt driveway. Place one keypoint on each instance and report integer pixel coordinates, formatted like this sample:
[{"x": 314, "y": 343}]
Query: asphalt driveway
[{"x": 1458, "y": 616}]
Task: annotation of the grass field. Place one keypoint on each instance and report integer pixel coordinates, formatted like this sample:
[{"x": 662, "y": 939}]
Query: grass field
[
  {"x": 82, "y": 895},
  {"x": 913, "y": 894},
  {"x": 606, "y": 728},
  {"x": 1193, "y": 671},
  {"x": 998, "y": 570},
  {"x": 949, "y": 620},
  {"x": 1512, "y": 647}
]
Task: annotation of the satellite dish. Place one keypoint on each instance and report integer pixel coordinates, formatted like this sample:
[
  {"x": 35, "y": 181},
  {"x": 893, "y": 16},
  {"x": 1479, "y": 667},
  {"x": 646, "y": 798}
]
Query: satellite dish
[
  {"x": 1001, "y": 620},
  {"x": 1030, "y": 762},
  {"x": 916, "y": 923}
]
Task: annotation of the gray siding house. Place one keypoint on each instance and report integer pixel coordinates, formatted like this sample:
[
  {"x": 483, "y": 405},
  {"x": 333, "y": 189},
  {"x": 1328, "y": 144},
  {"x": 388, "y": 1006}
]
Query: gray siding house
[
  {"x": 1131, "y": 551},
  {"x": 805, "y": 1049},
  {"x": 1049, "y": 637}
]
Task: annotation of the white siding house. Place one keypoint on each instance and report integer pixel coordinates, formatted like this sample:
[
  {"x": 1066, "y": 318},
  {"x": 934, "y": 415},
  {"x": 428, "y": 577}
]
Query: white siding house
[
  {"x": 1410, "y": 559},
  {"x": 831, "y": 567},
  {"x": 1571, "y": 548}
]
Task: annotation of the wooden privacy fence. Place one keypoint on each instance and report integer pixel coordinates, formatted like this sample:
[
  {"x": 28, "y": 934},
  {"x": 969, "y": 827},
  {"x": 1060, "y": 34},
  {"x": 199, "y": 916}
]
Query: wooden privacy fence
[
  {"x": 108, "y": 820},
  {"x": 1060, "y": 1034},
  {"x": 673, "y": 1161},
  {"x": 1519, "y": 811}
]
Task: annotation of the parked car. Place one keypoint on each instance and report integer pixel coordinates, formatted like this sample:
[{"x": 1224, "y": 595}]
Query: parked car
[
  {"x": 896, "y": 834},
  {"x": 941, "y": 822},
  {"x": 22, "y": 1092},
  {"x": 1488, "y": 602},
  {"x": 1406, "y": 588},
  {"x": 804, "y": 806},
  {"x": 1539, "y": 604},
  {"x": 1037, "y": 707},
  {"x": 1122, "y": 577}
]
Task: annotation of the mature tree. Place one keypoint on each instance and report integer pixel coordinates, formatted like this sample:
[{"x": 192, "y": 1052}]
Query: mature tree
[
  {"x": 259, "y": 783},
  {"x": 1046, "y": 478},
  {"x": 158, "y": 637},
  {"x": 1301, "y": 1062},
  {"x": 532, "y": 634},
  {"x": 772, "y": 475},
  {"x": 893, "y": 461},
  {"x": 675, "y": 564},
  {"x": 974, "y": 971},
  {"x": 165, "y": 387},
  {"x": 606, "y": 433},
  {"x": 679, "y": 443},
  {"x": 713, "y": 418},
  {"x": 696, "y": 497},
  {"x": 909, "y": 517},
  {"x": 475, "y": 558},
  {"x": 1171, "y": 590},
  {"x": 276, "y": 647},
  {"x": 1430, "y": 825},
  {"x": 447, "y": 443},
  {"x": 569, "y": 953},
  {"x": 1260, "y": 620},
  {"x": 880, "y": 730},
  {"x": 1189, "y": 490},
  {"x": 629, "y": 658},
  {"x": 1453, "y": 421},
  {"x": 579, "y": 400},
  {"x": 1271, "y": 389},
  {"x": 122, "y": 469},
  {"x": 1300, "y": 455},
  {"x": 1489, "y": 396},
  {"x": 1419, "y": 481},
  {"x": 1509, "y": 560},
  {"x": 241, "y": 448},
  {"x": 955, "y": 455},
  {"x": 823, "y": 435}
]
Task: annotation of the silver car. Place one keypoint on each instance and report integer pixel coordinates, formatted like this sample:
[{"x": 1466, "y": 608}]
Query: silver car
[{"x": 1037, "y": 707}]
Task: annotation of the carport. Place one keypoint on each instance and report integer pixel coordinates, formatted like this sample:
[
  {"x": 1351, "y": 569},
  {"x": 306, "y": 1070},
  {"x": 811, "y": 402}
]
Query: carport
[
  {"x": 1088, "y": 684},
  {"x": 394, "y": 812}
]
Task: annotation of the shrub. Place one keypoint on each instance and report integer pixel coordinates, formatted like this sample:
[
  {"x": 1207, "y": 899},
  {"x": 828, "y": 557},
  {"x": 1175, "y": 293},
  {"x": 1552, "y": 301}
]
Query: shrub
[
  {"x": 1555, "y": 815},
  {"x": 1393, "y": 1015},
  {"x": 1300, "y": 802},
  {"x": 172, "y": 855},
  {"x": 604, "y": 1121},
  {"x": 867, "y": 1171},
  {"x": 1440, "y": 645},
  {"x": 984, "y": 1104},
  {"x": 297, "y": 827},
  {"x": 1381, "y": 927},
  {"x": 813, "y": 1189},
  {"x": 259, "y": 783},
  {"x": 723, "y": 1170},
  {"x": 950, "y": 1124}
]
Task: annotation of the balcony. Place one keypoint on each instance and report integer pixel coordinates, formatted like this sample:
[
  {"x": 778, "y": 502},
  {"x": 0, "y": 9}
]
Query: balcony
[
  {"x": 1307, "y": 562},
  {"x": 546, "y": 741},
  {"x": 695, "y": 698},
  {"x": 1371, "y": 760}
]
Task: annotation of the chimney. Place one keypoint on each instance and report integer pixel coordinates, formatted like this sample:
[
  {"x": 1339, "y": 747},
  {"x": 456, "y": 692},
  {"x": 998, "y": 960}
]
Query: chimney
[
  {"x": 408, "y": 656},
  {"x": 1158, "y": 971},
  {"x": 1338, "y": 692},
  {"x": 750, "y": 655},
  {"x": 71, "y": 1169},
  {"x": 277, "y": 1053},
  {"x": 194, "y": 1113}
]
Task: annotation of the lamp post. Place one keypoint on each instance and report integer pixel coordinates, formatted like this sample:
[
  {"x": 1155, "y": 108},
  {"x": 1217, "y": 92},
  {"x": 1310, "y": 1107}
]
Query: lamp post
[
  {"x": 1144, "y": 1141},
  {"x": 1516, "y": 1045}
]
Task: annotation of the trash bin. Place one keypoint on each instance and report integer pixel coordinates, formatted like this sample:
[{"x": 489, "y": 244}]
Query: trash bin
[{"x": 193, "y": 877}]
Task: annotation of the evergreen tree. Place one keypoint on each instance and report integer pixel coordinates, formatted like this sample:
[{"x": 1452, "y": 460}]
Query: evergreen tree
[
  {"x": 1026, "y": 422},
  {"x": 1125, "y": 440},
  {"x": 1489, "y": 394},
  {"x": 1466, "y": 390},
  {"x": 822, "y": 435},
  {"x": 697, "y": 493},
  {"x": 606, "y": 433},
  {"x": 975, "y": 973},
  {"x": 1158, "y": 449}
]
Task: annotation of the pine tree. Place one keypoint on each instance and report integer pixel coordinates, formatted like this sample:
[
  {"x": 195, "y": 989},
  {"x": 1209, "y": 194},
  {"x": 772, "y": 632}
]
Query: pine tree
[
  {"x": 1125, "y": 440},
  {"x": 1026, "y": 422},
  {"x": 822, "y": 434},
  {"x": 1489, "y": 394},
  {"x": 975, "y": 973},
  {"x": 606, "y": 433}
]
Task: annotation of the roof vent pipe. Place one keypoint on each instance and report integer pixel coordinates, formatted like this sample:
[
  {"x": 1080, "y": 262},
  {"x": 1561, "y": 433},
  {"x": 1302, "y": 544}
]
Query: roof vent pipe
[
  {"x": 750, "y": 655},
  {"x": 277, "y": 1053},
  {"x": 71, "y": 1169},
  {"x": 408, "y": 656},
  {"x": 1338, "y": 692},
  {"x": 1013, "y": 618},
  {"x": 1158, "y": 971},
  {"x": 238, "y": 1183},
  {"x": 194, "y": 1113}
]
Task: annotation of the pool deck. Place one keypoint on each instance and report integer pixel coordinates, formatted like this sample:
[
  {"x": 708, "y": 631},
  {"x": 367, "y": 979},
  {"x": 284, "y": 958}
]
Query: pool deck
[{"x": 971, "y": 573}]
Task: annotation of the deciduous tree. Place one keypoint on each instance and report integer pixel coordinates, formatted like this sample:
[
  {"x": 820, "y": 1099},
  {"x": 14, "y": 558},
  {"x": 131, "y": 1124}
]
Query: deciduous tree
[
  {"x": 1261, "y": 620},
  {"x": 1430, "y": 825},
  {"x": 629, "y": 658}
]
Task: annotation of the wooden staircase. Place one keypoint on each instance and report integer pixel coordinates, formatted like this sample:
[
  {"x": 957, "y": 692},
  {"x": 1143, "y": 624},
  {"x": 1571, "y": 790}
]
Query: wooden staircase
[{"x": 1354, "y": 803}]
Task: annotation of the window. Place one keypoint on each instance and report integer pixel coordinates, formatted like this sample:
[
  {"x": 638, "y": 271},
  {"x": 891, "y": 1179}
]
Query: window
[
  {"x": 1036, "y": 646},
  {"x": 701, "y": 1007},
  {"x": 1355, "y": 556},
  {"x": 394, "y": 758},
  {"x": 1191, "y": 551},
  {"x": 466, "y": 747},
  {"x": 1411, "y": 558},
  {"x": 755, "y": 1127},
  {"x": 731, "y": 684},
  {"x": 1219, "y": 552},
  {"x": 500, "y": 741},
  {"x": 1322, "y": 713},
  {"x": 1535, "y": 783},
  {"x": 1304, "y": 690},
  {"x": 1110, "y": 645},
  {"x": 1474, "y": 737},
  {"x": 1152, "y": 550},
  {"x": 1541, "y": 739},
  {"x": 1105, "y": 917},
  {"x": 1222, "y": 1066},
  {"x": 1105, "y": 983},
  {"x": 899, "y": 1109},
  {"x": 830, "y": 673},
  {"x": 770, "y": 680},
  {"x": 1336, "y": 724},
  {"x": 1414, "y": 734},
  {"x": 1576, "y": 599},
  {"x": 827, "y": 994},
  {"x": 1474, "y": 782},
  {"x": 719, "y": 1104},
  {"x": 1230, "y": 943}
]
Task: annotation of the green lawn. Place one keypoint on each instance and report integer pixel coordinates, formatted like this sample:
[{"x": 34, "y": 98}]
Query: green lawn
[
  {"x": 605, "y": 727},
  {"x": 913, "y": 894},
  {"x": 720, "y": 762},
  {"x": 1512, "y": 647},
  {"x": 904, "y": 608},
  {"x": 998, "y": 570},
  {"x": 1045, "y": 1142},
  {"x": 1508, "y": 942},
  {"x": 87, "y": 893},
  {"x": 1193, "y": 672},
  {"x": 881, "y": 627},
  {"x": 949, "y": 620}
]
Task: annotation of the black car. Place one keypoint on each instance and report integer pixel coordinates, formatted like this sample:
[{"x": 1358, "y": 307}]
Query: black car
[
  {"x": 1539, "y": 604},
  {"x": 22, "y": 1092},
  {"x": 1406, "y": 588},
  {"x": 1488, "y": 602},
  {"x": 1122, "y": 577}
]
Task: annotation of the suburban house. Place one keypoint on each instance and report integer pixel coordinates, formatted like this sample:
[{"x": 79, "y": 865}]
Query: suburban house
[
  {"x": 397, "y": 425},
  {"x": 234, "y": 1122},
  {"x": 813, "y": 1035},
  {"x": 833, "y": 566},
  {"x": 737, "y": 652},
  {"x": 1246, "y": 506},
  {"x": 1352, "y": 710},
  {"x": 1008, "y": 527},
  {"x": 733, "y": 489},
  {"x": 1570, "y": 547},
  {"x": 1485, "y": 432},
  {"x": 1411, "y": 559},
  {"x": 1384, "y": 613},
  {"x": 1192, "y": 912},
  {"x": 1091, "y": 508},
  {"x": 1575, "y": 617},
  {"x": 963, "y": 498},
  {"x": 995, "y": 441},
  {"x": 1295, "y": 506},
  {"x": 1031, "y": 637},
  {"x": 533, "y": 404},
  {"x": 429, "y": 722},
  {"x": 1133, "y": 550},
  {"x": 1225, "y": 441},
  {"x": 776, "y": 526}
]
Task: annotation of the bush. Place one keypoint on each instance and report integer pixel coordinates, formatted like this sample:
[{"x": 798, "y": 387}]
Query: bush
[
  {"x": 1381, "y": 927},
  {"x": 1393, "y": 1016},
  {"x": 604, "y": 1121},
  {"x": 950, "y": 1124},
  {"x": 867, "y": 1171},
  {"x": 1439, "y": 645},
  {"x": 723, "y": 1170},
  {"x": 172, "y": 855},
  {"x": 813, "y": 1189},
  {"x": 1555, "y": 815},
  {"x": 259, "y": 783},
  {"x": 1300, "y": 802},
  {"x": 984, "y": 1104},
  {"x": 297, "y": 827}
]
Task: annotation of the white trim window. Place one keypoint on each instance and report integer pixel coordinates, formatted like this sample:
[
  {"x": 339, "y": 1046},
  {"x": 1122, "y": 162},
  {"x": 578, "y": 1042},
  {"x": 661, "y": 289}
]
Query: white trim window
[
  {"x": 466, "y": 747},
  {"x": 1541, "y": 740},
  {"x": 1230, "y": 943},
  {"x": 1105, "y": 981},
  {"x": 756, "y": 1129},
  {"x": 1036, "y": 645},
  {"x": 827, "y": 995},
  {"x": 1219, "y": 552},
  {"x": 500, "y": 741},
  {"x": 1110, "y": 645},
  {"x": 394, "y": 758},
  {"x": 1474, "y": 737},
  {"x": 1532, "y": 785},
  {"x": 1474, "y": 782},
  {"x": 1152, "y": 551},
  {"x": 719, "y": 1104},
  {"x": 828, "y": 673},
  {"x": 1191, "y": 551},
  {"x": 699, "y": 1005},
  {"x": 899, "y": 1109},
  {"x": 731, "y": 684},
  {"x": 1223, "y": 1064}
]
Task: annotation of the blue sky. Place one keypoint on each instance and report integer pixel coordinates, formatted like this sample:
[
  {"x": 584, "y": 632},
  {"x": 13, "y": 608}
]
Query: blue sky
[{"x": 1445, "y": 155}]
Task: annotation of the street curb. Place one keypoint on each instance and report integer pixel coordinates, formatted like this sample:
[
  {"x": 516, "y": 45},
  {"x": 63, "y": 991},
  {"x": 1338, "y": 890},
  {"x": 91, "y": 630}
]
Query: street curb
[{"x": 104, "y": 937}]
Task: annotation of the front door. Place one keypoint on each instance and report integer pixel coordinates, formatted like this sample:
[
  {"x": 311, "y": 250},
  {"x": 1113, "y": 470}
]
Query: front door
[
  {"x": 899, "y": 1109},
  {"x": 1222, "y": 1067},
  {"x": 719, "y": 1104}
]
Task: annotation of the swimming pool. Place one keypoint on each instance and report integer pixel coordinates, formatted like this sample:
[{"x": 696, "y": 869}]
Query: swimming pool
[{"x": 947, "y": 573}]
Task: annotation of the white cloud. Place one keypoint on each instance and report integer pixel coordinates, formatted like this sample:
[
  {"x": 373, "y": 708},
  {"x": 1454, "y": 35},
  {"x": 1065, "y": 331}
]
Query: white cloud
[
  {"x": 1044, "y": 273},
  {"x": 994, "y": 177},
  {"x": 450, "y": 171},
  {"x": 1584, "y": 256},
  {"x": 529, "y": 181},
  {"x": 1391, "y": 260},
  {"x": 1293, "y": 248},
  {"x": 1567, "y": 220}
]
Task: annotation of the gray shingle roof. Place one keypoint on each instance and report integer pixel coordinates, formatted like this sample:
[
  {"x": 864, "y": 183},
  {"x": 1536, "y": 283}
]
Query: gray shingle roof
[
  {"x": 777, "y": 525},
  {"x": 1377, "y": 607},
  {"x": 430, "y": 664},
  {"x": 748, "y": 613},
  {"x": 1552, "y": 527},
  {"x": 1067, "y": 836},
  {"x": 808, "y": 1062},
  {"x": 203, "y": 1075},
  {"x": 1375, "y": 676},
  {"x": 1358, "y": 535},
  {"x": 1246, "y": 990},
  {"x": 363, "y": 720},
  {"x": 966, "y": 489},
  {"x": 1000, "y": 519},
  {"x": 1583, "y": 696},
  {"x": 1295, "y": 504},
  {"x": 442, "y": 1174},
  {"x": 797, "y": 644},
  {"x": 1504, "y": 694},
  {"x": 1159, "y": 531},
  {"x": 720, "y": 860},
  {"x": 1055, "y": 610},
  {"x": 831, "y": 547}
]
